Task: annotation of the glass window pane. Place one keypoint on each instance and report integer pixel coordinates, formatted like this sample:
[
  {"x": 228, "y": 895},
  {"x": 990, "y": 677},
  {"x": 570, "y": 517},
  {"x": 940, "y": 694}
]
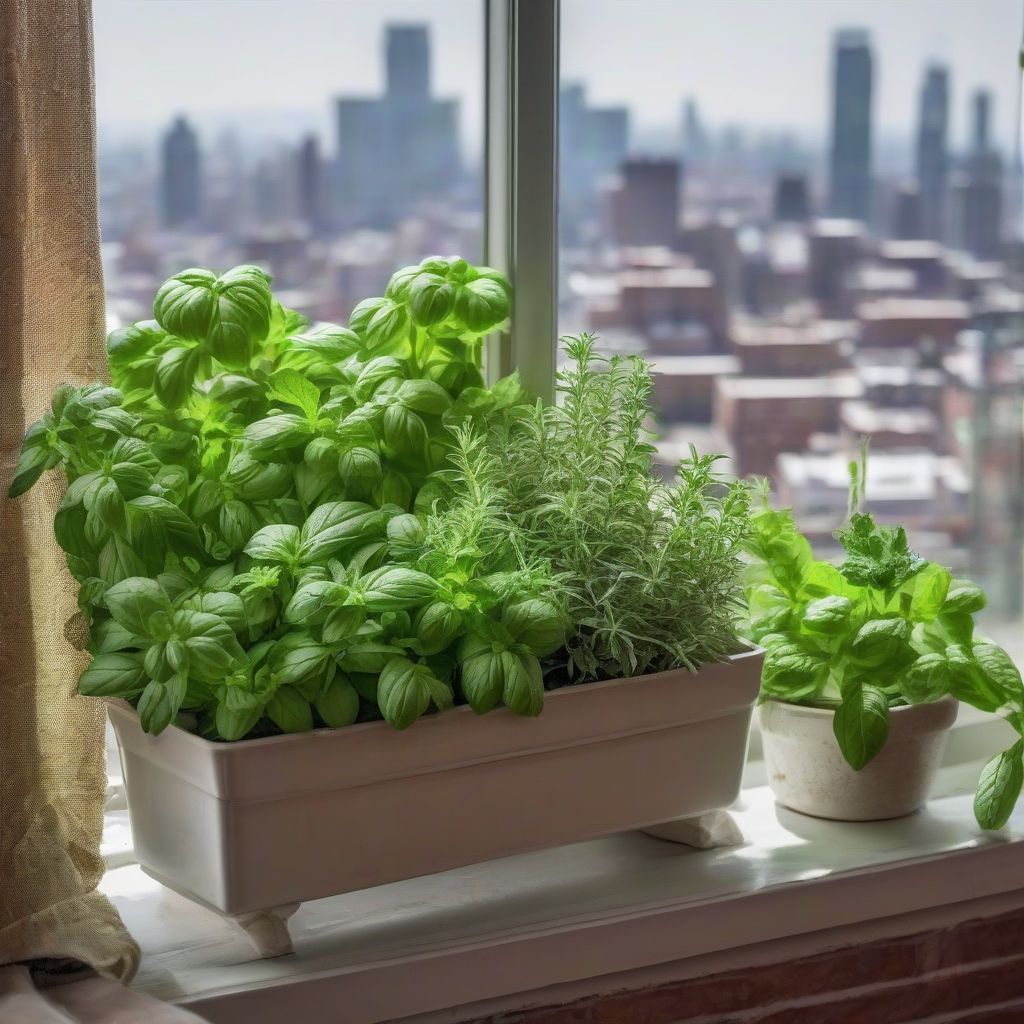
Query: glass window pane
[
  {"x": 808, "y": 216},
  {"x": 329, "y": 141}
]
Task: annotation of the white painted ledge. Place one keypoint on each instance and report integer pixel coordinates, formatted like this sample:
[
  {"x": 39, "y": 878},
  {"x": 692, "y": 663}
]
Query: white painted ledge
[{"x": 567, "y": 922}]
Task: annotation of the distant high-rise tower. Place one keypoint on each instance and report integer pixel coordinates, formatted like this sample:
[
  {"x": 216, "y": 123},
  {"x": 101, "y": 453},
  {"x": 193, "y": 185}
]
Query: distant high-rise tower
[
  {"x": 791, "y": 201},
  {"x": 979, "y": 192},
  {"x": 180, "y": 175},
  {"x": 309, "y": 173},
  {"x": 408, "y": 61},
  {"x": 850, "y": 156},
  {"x": 695, "y": 138},
  {"x": 400, "y": 148},
  {"x": 645, "y": 207},
  {"x": 932, "y": 152}
]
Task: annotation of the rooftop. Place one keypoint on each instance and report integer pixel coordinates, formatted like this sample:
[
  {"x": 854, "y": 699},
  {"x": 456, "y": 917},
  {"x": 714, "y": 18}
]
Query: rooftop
[
  {"x": 781, "y": 388},
  {"x": 913, "y": 309}
]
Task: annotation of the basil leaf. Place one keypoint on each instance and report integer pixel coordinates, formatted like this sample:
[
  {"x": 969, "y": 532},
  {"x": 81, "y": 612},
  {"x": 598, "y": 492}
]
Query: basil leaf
[
  {"x": 523, "y": 689},
  {"x": 117, "y": 674},
  {"x": 861, "y": 723},
  {"x": 430, "y": 299},
  {"x": 337, "y": 703},
  {"x": 330, "y": 527},
  {"x": 437, "y": 626},
  {"x": 133, "y": 602},
  {"x": 878, "y": 640},
  {"x": 424, "y": 396},
  {"x": 117, "y": 561},
  {"x": 290, "y": 711},
  {"x": 999, "y": 787},
  {"x": 291, "y": 387},
  {"x": 175, "y": 375},
  {"x": 483, "y": 304},
  {"x": 276, "y": 434},
  {"x": 393, "y": 587},
  {"x": 926, "y": 680},
  {"x": 159, "y": 704},
  {"x": 827, "y": 615},
  {"x": 482, "y": 674},
  {"x": 404, "y": 691},
  {"x": 278, "y": 543},
  {"x": 312, "y": 601}
]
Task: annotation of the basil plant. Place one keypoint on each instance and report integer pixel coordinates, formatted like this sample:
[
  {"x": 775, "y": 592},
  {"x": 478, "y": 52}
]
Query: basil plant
[
  {"x": 267, "y": 518},
  {"x": 883, "y": 629}
]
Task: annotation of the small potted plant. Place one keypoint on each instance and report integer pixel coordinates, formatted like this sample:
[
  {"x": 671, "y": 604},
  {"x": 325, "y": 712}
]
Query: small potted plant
[
  {"x": 310, "y": 558},
  {"x": 865, "y": 664}
]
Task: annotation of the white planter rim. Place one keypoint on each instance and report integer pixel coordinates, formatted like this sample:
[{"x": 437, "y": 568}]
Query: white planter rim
[
  {"x": 370, "y": 752},
  {"x": 937, "y": 714}
]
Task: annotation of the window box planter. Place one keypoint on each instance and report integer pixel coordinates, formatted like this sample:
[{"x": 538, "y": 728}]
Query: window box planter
[{"x": 268, "y": 822}]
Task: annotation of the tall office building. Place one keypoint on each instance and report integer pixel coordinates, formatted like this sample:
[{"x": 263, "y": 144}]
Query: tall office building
[
  {"x": 593, "y": 143},
  {"x": 397, "y": 149},
  {"x": 791, "y": 202},
  {"x": 407, "y": 58},
  {"x": 180, "y": 175},
  {"x": 309, "y": 173},
  {"x": 850, "y": 183},
  {"x": 979, "y": 191},
  {"x": 696, "y": 146},
  {"x": 645, "y": 207},
  {"x": 932, "y": 152}
]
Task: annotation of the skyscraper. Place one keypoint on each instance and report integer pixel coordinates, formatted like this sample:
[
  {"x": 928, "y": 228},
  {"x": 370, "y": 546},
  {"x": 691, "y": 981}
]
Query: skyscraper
[
  {"x": 932, "y": 152},
  {"x": 408, "y": 62},
  {"x": 180, "y": 175},
  {"x": 399, "y": 148},
  {"x": 850, "y": 156},
  {"x": 309, "y": 173},
  {"x": 645, "y": 208},
  {"x": 695, "y": 138},
  {"x": 979, "y": 190}
]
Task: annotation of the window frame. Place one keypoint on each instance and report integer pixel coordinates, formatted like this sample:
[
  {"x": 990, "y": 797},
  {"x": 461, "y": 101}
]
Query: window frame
[{"x": 521, "y": 182}]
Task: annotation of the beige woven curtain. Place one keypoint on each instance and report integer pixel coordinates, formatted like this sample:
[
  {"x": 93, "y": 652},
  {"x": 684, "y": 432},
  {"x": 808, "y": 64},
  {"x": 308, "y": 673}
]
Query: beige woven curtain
[{"x": 52, "y": 774}]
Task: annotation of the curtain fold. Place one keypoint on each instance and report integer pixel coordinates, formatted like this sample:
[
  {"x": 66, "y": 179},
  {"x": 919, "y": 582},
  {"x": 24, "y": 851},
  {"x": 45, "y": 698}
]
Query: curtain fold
[{"x": 52, "y": 774}]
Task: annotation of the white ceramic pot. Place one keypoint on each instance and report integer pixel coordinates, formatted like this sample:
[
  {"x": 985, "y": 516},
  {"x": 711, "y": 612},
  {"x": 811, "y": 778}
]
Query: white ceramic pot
[
  {"x": 266, "y": 822},
  {"x": 808, "y": 773}
]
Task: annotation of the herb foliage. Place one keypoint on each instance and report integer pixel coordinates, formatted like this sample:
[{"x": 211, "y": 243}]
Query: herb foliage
[
  {"x": 884, "y": 629},
  {"x": 277, "y": 525}
]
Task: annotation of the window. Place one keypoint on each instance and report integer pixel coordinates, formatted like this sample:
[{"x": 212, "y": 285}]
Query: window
[
  {"x": 327, "y": 142},
  {"x": 807, "y": 216}
]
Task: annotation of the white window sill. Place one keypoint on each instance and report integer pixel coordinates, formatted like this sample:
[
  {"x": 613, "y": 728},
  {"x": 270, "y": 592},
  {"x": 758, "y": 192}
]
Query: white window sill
[{"x": 626, "y": 911}]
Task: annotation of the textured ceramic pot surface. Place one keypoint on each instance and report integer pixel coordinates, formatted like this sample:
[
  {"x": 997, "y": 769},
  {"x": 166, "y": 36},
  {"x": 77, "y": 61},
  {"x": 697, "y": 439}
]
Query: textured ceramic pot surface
[
  {"x": 259, "y": 823},
  {"x": 807, "y": 771}
]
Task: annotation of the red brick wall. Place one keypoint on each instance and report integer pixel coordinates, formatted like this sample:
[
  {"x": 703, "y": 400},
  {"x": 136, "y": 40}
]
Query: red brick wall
[{"x": 970, "y": 973}]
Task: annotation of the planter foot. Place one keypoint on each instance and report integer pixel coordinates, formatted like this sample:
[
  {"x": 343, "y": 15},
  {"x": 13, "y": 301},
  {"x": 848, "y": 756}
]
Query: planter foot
[
  {"x": 267, "y": 930},
  {"x": 705, "y": 832}
]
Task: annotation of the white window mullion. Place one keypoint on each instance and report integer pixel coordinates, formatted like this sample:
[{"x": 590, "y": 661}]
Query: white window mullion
[{"x": 521, "y": 178}]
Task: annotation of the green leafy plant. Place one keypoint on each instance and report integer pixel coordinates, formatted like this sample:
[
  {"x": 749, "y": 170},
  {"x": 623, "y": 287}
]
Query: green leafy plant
[
  {"x": 254, "y": 510},
  {"x": 883, "y": 629},
  {"x": 650, "y": 570}
]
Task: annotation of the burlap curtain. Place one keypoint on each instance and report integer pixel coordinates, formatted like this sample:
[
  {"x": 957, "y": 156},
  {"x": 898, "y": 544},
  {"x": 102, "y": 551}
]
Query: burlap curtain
[{"x": 52, "y": 774}]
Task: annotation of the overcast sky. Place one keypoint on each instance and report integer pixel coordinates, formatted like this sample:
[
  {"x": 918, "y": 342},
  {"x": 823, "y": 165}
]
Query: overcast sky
[{"x": 275, "y": 64}]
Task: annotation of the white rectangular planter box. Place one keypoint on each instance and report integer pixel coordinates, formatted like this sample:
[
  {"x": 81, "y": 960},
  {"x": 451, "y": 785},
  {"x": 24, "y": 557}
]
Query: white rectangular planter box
[{"x": 263, "y": 823}]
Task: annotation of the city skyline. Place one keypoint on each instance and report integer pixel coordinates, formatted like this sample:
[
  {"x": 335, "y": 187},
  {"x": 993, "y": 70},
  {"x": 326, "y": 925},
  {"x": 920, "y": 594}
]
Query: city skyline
[{"x": 782, "y": 87}]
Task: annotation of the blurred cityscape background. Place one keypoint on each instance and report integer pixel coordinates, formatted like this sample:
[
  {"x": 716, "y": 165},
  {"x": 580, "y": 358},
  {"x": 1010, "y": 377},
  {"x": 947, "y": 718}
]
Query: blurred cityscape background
[{"x": 796, "y": 286}]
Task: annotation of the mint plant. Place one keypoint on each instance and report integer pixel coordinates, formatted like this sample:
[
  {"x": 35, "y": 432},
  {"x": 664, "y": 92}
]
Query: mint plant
[
  {"x": 884, "y": 629},
  {"x": 256, "y": 511}
]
